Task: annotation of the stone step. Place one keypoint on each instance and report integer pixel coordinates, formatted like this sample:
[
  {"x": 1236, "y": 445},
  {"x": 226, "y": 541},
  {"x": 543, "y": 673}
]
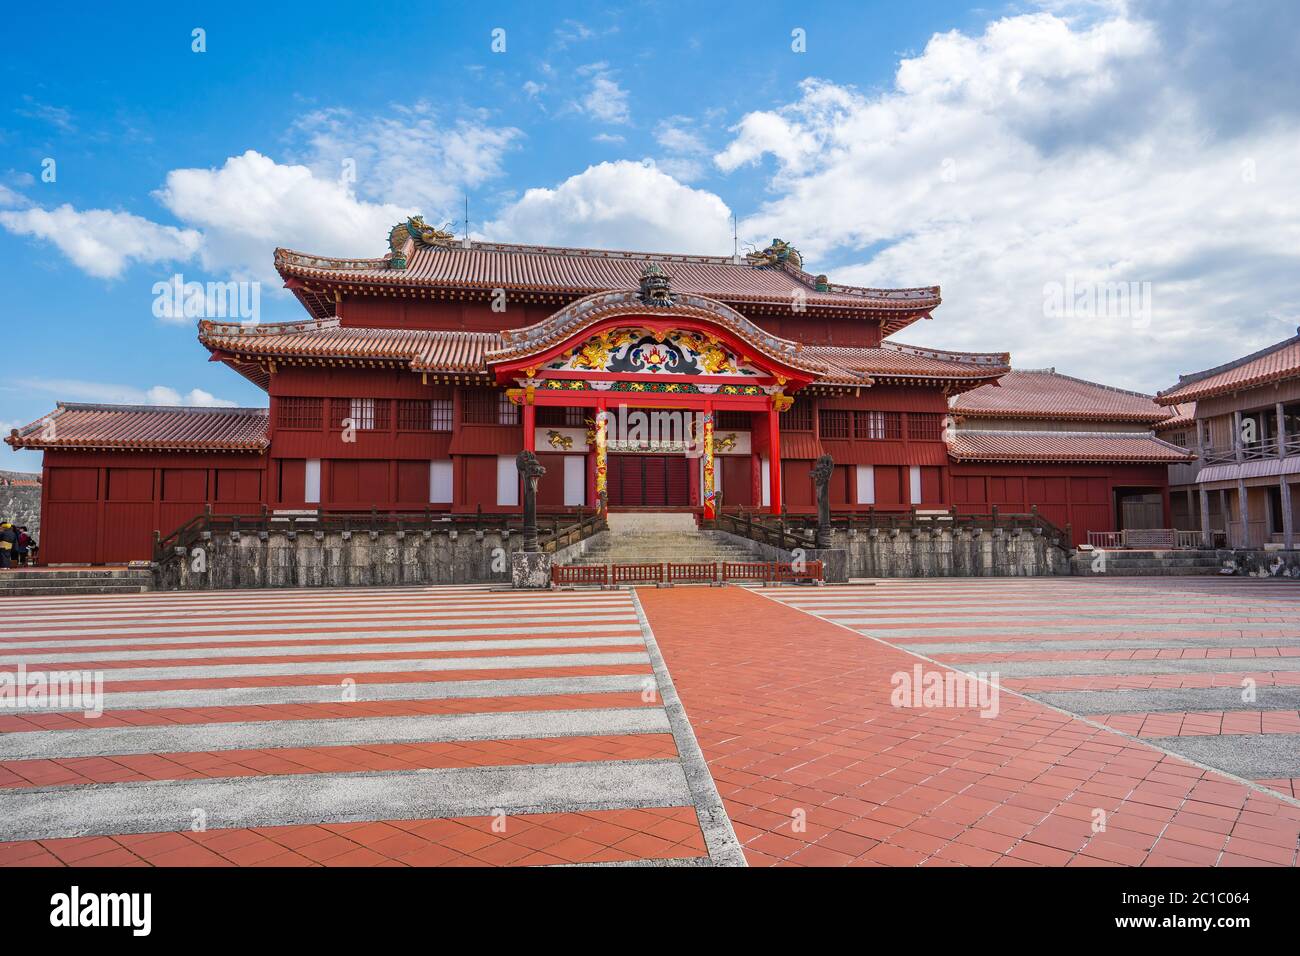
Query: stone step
[
  {"x": 64, "y": 574},
  {"x": 118, "y": 588}
]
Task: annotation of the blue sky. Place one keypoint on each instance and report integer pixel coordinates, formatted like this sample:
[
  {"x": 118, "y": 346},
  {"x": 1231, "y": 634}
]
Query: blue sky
[{"x": 992, "y": 151}]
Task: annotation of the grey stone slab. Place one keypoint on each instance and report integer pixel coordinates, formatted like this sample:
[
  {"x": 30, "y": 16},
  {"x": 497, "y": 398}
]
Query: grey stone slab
[
  {"x": 290, "y": 800},
  {"x": 1232, "y": 665},
  {"x": 61, "y": 658},
  {"x": 405, "y": 665},
  {"x": 1172, "y": 700},
  {"x": 333, "y": 693},
  {"x": 330, "y": 732},
  {"x": 1253, "y": 756}
]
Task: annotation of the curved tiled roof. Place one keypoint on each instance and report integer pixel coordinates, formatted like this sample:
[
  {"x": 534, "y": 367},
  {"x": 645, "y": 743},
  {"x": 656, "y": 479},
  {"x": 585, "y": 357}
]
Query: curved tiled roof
[
  {"x": 1180, "y": 416},
  {"x": 897, "y": 361},
  {"x": 1132, "y": 447},
  {"x": 589, "y": 310},
  {"x": 1045, "y": 393},
  {"x": 1273, "y": 364},
  {"x": 423, "y": 349},
  {"x": 146, "y": 428},
  {"x": 492, "y": 265},
  {"x": 471, "y": 353}
]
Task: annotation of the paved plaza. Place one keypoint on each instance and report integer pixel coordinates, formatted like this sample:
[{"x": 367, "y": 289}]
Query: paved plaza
[{"x": 1135, "y": 722}]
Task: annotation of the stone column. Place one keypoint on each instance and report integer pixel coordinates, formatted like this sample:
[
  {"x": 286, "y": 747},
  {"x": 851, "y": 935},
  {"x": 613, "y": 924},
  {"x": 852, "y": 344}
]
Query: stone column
[
  {"x": 1243, "y": 512},
  {"x": 1207, "y": 533},
  {"x": 1288, "y": 532}
]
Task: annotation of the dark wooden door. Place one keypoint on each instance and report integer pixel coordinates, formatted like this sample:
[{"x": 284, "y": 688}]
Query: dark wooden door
[{"x": 648, "y": 481}]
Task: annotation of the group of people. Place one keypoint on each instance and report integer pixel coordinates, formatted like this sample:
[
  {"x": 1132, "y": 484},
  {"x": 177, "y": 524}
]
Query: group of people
[{"x": 17, "y": 547}]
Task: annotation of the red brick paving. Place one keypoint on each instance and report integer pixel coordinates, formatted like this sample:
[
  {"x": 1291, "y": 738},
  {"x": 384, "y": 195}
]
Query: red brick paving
[
  {"x": 1204, "y": 723},
  {"x": 817, "y": 768}
]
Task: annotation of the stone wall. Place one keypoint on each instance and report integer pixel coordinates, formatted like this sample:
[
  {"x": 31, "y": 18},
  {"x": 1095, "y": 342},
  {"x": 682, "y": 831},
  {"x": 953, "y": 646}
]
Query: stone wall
[
  {"x": 931, "y": 552},
  {"x": 307, "y": 559},
  {"x": 20, "y": 500},
  {"x": 944, "y": 552}
]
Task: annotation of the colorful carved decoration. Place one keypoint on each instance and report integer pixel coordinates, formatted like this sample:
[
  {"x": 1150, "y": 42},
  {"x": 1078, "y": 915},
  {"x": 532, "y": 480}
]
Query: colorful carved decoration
[
  {"x": 594, "y": 355},
  {"x": 602, "y": 461},
  {"x": 781, "y": 401},
  {"x": 710, "y": 492},
  {"x": 726, "y": 442},
  {"x": 657, "y": 351},
  {"x": 776, "y": 254},
  {"x": 556, "y": 440},
  {"x": 656, "y": 286}
]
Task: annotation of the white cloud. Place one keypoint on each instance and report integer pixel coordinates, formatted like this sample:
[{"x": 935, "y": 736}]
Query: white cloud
[
  {"x": 103, "y": 242},
  {"x": 233, "y": 216},
  {"x": 1038, "y": 152},
  {"x": 619, "y": 205},
  {"x": 77, "y": 390},
  {"x": 606, "y": 101},
  {"x": 253, "y": 204}
]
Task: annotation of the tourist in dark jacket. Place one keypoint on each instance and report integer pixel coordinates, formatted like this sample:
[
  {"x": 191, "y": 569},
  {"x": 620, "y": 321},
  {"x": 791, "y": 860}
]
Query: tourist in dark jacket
[
  {"x": 8, "y": 538},
  {"x": 22, "y": 545}
]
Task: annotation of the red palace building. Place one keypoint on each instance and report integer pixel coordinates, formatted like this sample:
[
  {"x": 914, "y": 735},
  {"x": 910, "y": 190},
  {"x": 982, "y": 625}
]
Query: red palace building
[{"x": 664, "y": 382}]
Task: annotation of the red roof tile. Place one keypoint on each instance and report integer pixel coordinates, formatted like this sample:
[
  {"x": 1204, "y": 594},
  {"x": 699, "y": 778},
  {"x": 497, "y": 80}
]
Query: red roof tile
[
  {"x": 893, "y": 360},
  {"x": 146, "y": 428},
  {"x": 492, "y": 265},
  {"x": 1273, "y": 364},
  {"x": 1180, "y": 416},
  {"x": 1141, "y": 447},
  {"x": 423, "y": 349},
  {"x": 1045, "y": 393}
]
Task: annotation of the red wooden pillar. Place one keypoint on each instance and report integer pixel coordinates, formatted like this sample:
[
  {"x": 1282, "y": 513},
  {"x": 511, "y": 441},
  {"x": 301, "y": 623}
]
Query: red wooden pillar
[
  {"x": 530, "y": 427},
  {"x": 774, "y": 457}
]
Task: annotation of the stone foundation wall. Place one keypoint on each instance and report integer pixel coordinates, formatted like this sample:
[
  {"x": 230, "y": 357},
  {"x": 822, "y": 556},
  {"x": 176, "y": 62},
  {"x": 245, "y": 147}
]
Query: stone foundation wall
[
  {"x": 20, "y": 500},
  {"x": 1260, "y": 564},
  {"x": 309, "y": 559},
  {"x": 932, "y": 553}
]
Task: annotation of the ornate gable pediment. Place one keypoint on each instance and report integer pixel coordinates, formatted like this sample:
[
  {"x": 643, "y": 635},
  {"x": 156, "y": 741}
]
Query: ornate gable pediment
[{"x": 663, "y": 352}]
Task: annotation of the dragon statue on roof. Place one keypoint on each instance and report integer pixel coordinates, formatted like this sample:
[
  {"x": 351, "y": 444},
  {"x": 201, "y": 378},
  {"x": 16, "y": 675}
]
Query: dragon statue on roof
[
  {"x": 416, "y": 228},
  {"x": 777, "y": 253}
]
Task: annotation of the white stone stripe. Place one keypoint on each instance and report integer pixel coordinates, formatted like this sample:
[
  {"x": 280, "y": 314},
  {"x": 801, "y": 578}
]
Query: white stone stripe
[
  {"x": 330, "y": 732},
  {"x": 340, "y": 798},
  {"x": 278, "y": 638},
  {"x": 310, "y": 650},
  {"x": 519, "y": 610},
  {"x": 390, "y": 666},
  {"x": 333, "y": 693},
  {"x": 445, "y": 627}
]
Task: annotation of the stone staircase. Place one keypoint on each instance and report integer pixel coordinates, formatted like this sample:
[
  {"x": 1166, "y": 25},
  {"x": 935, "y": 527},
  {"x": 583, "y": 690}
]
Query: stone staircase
[
  {"x": 656, "y": 538},
  {"x": 42, "y": 582},
  {"x": 1146, "y": 563}
]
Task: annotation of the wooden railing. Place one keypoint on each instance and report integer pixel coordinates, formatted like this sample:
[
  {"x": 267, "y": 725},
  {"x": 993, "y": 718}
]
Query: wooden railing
[
  {"x": 696, "y": 572},
  {"x": 787, "y": 531},
  {"x": 1151, "y": 539},
  {"x": 554, "y": 531}
]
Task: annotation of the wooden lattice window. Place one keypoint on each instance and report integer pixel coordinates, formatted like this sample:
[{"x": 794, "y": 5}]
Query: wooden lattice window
[
  {"x": 365, "y": 414},
  {"x": 733, "y": 421},
  {"x": 925, "y": 426},
  {"x": 833, "y": 423},
  {"x": 877, "y": 425},
  {"x": 298, "y": 412},
  {"x": 797, "y": 418}
]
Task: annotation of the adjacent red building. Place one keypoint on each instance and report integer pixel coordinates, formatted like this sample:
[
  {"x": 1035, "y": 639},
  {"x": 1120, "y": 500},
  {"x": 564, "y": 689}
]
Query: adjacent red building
[{"x": 641, "y": 381}]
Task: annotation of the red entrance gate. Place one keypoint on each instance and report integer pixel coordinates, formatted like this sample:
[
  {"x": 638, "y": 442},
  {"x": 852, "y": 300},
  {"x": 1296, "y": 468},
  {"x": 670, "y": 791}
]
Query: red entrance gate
[{"x": 639, "y": 481}]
